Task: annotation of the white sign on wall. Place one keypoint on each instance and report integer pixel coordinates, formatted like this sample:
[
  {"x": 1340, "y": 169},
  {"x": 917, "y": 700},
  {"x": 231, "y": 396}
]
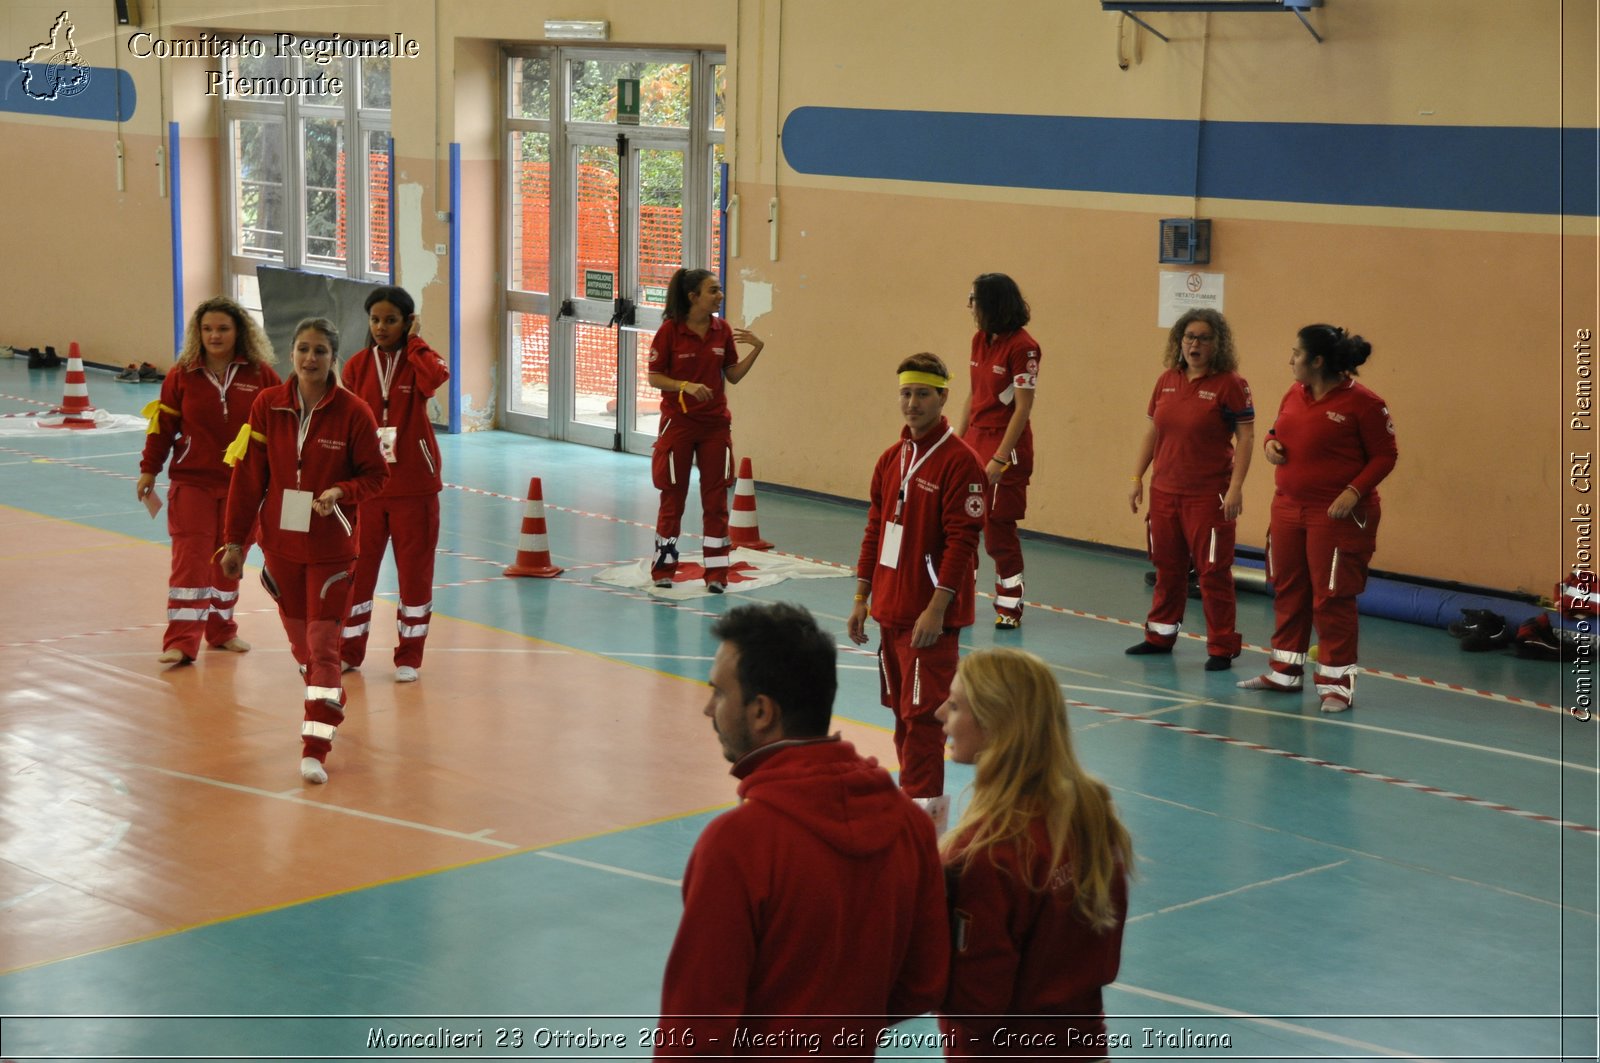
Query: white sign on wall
[{"x": 1183, "y": 290}]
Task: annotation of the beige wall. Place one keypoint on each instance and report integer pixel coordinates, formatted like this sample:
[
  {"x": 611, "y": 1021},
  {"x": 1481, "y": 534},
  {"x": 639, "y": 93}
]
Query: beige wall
[{"x": 1470, "y": 314}]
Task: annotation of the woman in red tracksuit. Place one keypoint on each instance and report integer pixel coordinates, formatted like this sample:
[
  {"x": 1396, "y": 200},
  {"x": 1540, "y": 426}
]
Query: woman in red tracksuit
[
  {"x": 1199, "y": 407},
  {"x": 226, "y": 362},
  {"x": 1333, "y": 443},
  {"x": 303, "y": 464},
  {"x": 918, "y": 569},
  {"x": 691, "y": 356},
  {"x": 1037, "y": 871},
  {"x": 397, "y": 373},
  {"x": 995, "y": 424}
]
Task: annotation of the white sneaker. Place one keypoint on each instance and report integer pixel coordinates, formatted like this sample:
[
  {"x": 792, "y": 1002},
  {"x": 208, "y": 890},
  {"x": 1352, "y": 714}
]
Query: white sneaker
[
  {"x": 405, "y": 674},
  {"x": 311, "y": 770},
  {"x": 1334, "y": 704}
]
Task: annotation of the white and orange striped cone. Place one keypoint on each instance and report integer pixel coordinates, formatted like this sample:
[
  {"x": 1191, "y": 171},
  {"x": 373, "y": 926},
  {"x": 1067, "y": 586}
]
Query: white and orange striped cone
[
  {"x": 533, "y": 547},
  {"x": 75, "y": 411},
  {"x": 743, "y": 529}
]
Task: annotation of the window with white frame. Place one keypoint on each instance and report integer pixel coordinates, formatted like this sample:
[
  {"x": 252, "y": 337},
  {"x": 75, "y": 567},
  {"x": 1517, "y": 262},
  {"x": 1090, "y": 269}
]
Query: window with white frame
[{"x": 307, "y": 175}]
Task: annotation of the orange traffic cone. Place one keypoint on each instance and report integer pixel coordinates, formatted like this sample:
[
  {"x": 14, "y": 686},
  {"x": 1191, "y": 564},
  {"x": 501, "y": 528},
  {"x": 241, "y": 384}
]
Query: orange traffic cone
[
  {"x": 533, "y": 548},
  {"x": 742, "y": 527},
  {"x": 74, "y": 411}
]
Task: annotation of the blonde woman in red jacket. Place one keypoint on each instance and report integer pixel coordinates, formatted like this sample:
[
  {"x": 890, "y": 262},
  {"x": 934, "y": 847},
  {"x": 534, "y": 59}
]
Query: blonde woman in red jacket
[
  {"x": 306, "y": 460},
  {"x": 397, "y": 373},
  {"x": 1037, "y": 870},
  {"x": 225, "y": 363}
]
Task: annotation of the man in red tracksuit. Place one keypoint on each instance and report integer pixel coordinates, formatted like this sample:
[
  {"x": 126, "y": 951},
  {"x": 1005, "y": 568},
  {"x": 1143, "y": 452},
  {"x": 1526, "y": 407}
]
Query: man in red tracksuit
[
  {"x": 306, "y": 460},
  {"x": 918, "y": 568},
  {"x": 397, "y": 374},
  {"x": 814, "y": 912}
]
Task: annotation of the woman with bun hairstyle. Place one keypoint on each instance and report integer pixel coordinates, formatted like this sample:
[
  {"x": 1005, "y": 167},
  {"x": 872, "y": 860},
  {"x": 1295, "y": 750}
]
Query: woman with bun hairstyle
[
  {"x": 303, "y": 464},
  {"x": 1199, "y": 408},
  {"x": 396, "y": 373},
  {"x": 995, "y": 424},
  {"x": 1332, "y": 443},
  {"x": 691, "y": 357},
  {"x": 1037, "y": 869},
  {"x": 225, "y": 363}
]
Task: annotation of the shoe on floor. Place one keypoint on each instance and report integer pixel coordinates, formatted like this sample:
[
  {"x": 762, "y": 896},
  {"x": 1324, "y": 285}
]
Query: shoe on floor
[
  {"x": 1220, "y": 662},
  {"x": 129, "y": 375},
  {"x": 1144, "y": 649},
  {"x": 1262, "y": 682},
  {"x": 174, "y": 656},
  {"x": 1002, "y": 622},
  {"x": 405, "y": 674},
  {"x": 233, "y": 645},
  {"x": 149, "y": 374},
  {"x": 717, "y": 587},
  {"x": 346, "y": 667},
  {"x": 312, "y": 771},
  {"x": 1335, "y": 704}
]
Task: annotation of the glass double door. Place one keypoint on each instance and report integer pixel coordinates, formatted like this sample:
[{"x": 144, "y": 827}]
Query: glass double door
[{"x": 602, "y": 212}]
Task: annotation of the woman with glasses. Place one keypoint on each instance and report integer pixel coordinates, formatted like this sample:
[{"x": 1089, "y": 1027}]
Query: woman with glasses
[
  {"x": 1333, "y": 443},
  {"x": 994, "y": 423},
  {"x": 1200, "y": 408}
]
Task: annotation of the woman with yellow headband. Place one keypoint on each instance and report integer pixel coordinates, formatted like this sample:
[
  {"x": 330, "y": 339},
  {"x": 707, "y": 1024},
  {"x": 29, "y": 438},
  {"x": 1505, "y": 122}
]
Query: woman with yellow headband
[
  {"x": 225, "y": 363},
  {"x": 691, "y": 358},
  {"x": 917, "y": 570}
]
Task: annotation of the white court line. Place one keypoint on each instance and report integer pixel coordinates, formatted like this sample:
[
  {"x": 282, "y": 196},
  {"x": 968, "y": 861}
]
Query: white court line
[
  {"x": 660, "y": 656},
  {"x": 298, "y": 797},
  {"x": 1463, "y": 880},
  {"x": 549, "y": 855},
  {"x": 1276, "y": 1024},
  {"x": 1236, "y": 890},
  {"x": 1129, "y": 693}
]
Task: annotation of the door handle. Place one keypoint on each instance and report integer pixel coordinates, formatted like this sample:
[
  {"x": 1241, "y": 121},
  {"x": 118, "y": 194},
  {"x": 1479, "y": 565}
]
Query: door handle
[
  {"x": 622, "y": 312},
  {"x": 566, "y": 310}
]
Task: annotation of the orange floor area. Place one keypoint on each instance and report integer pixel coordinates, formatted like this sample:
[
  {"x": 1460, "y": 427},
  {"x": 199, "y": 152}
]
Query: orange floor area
[{"x": 141, "y": 799}]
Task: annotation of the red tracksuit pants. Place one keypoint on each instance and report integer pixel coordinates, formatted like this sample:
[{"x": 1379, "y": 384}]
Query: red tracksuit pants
[
  {"x": 683, "y": 443},
  {"x": 312, "y": 600},
  {"x": 913, "y": 684},
  {"x": 200, "y": 599},
  {"x": 1190, "y": 531},
  {"x": 1008, "y": 503},
  {"x": 411, "y": 522},
  {"x": 1317, "y": 566}
]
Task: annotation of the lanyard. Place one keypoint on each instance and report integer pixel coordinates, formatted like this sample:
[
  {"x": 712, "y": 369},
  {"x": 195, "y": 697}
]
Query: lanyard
[
  {"x": 223, "y": 385},
  {"x": 906, "y": 474},
  {"x": 300, "y": 436},
  {"x": 386, "y": 376}
]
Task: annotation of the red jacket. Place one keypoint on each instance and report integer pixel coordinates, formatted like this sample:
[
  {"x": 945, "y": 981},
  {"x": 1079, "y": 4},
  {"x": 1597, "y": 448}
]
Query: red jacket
[
  {"x": 942, "y": 517},
  {"x": 1344, "y": 440},
  {"x": 678, "y": 352},
  {"x": 340, "y": 450},
  {"x": 198, "y": 419},
  {"x": 418, "y": 373},
  {"x": 1024, "y": 953},
  {"x": 821, "y": 894}
]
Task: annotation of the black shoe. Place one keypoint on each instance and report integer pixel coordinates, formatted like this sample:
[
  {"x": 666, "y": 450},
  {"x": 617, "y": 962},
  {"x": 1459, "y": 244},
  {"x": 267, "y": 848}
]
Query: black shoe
[
  {"x": 1142, "y": 649},
  {"x": 716, "y": 587},
  {"x": 1220, "y": 662},
  {"x": 666, "y": 562},
  {"x": 1471, "y": 620},
  {"x": 1493, "y": 634},
  {"x": 149, "y": 374}
]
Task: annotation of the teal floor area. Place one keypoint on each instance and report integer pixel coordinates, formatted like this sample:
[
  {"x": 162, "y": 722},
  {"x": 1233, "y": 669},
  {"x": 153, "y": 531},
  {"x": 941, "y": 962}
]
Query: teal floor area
[{"x": 1414, "y": 879}]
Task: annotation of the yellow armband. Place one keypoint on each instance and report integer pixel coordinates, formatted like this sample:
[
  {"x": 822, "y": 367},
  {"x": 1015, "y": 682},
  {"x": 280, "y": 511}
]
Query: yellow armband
[
  {"x": 153, "y": 410},
  {"x": 241, "y": 443}
]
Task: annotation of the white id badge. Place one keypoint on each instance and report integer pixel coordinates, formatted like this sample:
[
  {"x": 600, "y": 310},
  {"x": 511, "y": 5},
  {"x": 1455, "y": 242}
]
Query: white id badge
[
  {"x": 889, "y": 545},
  {"x": 296, "y": 513},
  {"x": 386, "y": 442}
]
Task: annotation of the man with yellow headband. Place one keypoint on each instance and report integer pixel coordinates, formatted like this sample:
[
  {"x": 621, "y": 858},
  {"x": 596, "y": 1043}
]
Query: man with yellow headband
[{"x": 917, "y": 572}]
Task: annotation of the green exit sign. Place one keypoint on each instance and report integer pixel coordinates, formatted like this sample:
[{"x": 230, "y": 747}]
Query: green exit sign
[{"x": 627, "y": 101}]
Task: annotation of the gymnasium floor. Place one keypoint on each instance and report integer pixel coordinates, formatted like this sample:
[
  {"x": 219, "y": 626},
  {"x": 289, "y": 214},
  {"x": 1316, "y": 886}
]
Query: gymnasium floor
[{"x": 500, "y": 845}]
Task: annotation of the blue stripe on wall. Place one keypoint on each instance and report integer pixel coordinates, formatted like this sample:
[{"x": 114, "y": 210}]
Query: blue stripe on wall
[
  {"x": 1470, "y": 168},
  {"x": 104, "y": 94}
]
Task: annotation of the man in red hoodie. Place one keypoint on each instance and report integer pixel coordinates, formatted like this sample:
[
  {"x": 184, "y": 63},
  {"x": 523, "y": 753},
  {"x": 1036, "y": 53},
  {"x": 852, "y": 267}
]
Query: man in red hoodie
[{"x": 814, "y": 912}]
